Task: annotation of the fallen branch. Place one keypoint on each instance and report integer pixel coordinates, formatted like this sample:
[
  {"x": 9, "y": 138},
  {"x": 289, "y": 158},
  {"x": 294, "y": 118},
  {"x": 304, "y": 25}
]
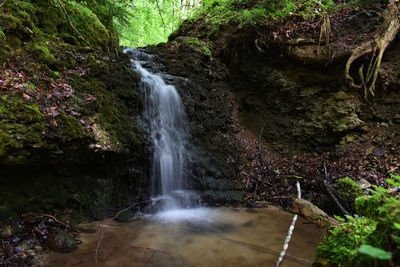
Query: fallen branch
[
  {"x": 313, "y": 214},
  {"x": 72, "y": 25},
  {"x": 61, "y": 223},
  {"x": 332, "y": 194},
  {"x": 107, "y": 224},
  {"x": 11, "y": 66}
]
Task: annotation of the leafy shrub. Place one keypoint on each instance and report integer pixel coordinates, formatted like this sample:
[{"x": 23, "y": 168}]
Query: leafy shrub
[
  {"x": 342, "y": 243},
  {"x": 253, "y": 12},
  {"x": 373, "y": 239}
]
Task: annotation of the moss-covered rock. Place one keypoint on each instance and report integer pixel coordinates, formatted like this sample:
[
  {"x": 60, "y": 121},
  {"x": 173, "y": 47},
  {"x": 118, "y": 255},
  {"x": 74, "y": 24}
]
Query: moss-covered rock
[
  {"x": 348, "y": 191},
  {"x": 88, "y": 25},
  {"x": 22, "y": 127},
  {"x": 68, "y": 134}
]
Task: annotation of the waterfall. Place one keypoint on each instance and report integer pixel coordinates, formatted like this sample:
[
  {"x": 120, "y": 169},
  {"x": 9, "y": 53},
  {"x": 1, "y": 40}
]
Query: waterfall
[{"x": 165, "y": 118}]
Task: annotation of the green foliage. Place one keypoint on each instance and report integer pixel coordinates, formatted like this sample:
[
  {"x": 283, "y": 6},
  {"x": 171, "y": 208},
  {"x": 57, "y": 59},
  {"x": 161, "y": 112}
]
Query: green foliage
[
  {"x": 357, "y": 243},
  {"x": 196, "y": 42},
  {"x": 374, "y": 252},
  {"x": 151, "y": 22},
  {"x": 342, "y": 243},
  {"x": 109, "y": 11},
  {"x": 256, "y": 12},
  {"x": 395, "y": 182}
]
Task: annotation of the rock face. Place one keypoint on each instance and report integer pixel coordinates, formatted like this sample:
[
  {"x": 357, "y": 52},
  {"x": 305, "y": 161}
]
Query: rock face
[
  {"x": 242, "y": 76},
  {"x": 209, "y": 105},
  {"x": 68, "y": 133}
]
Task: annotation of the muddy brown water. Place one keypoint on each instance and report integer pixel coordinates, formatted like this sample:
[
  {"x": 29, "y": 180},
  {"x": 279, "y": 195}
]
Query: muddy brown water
[{"x": 223, "y": 237}]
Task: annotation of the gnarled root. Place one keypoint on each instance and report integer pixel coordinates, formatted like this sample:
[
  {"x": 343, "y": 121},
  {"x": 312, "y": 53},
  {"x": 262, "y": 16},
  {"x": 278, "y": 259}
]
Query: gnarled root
[{"x": 389, "y": 29}]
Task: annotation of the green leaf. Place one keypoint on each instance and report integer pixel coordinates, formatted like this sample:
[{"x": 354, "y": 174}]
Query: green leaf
[
  {"x": 396, "y": 225},
  {"x": 375, "y": 253},
  {"x": 340, "y": 219},
  {"x": 397, "y": 177},
  {"x": 390, "y": 181},
  {"x": 381, "y": 189}
]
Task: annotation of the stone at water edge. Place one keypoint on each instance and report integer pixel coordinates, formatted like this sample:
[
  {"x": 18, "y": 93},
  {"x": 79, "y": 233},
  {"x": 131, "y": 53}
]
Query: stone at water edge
[
  {"x": 364, "y": 184},
  {"x": 125, "y": 216},
  {"x": 61, "y": 242}
]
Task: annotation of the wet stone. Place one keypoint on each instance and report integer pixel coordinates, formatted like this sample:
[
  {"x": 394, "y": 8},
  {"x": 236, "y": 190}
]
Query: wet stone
[
  {"x": 364, "y": 184},
  {"x": 59, "y": 241}
]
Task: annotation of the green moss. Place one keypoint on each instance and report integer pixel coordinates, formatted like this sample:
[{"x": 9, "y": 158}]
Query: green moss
[
  {"x": 42, "y": 54},
  {"x": 196, "y": 42},
  {"x": 379, "y": 228},
  {"x": 21, "y": 128},
  {"x": 340, "y": 247},
  {"x": 2, "y": 37},
  {"x": 88, "y": 24},
  {"x": 13, "y": 109},
  {"x": 70, "y": 128},
  {"x": 348, "y": 189},
  {"x": 113, "y": 86},
  {"x": 213, "y": 33},
  {"x": 9, "y": 22}
]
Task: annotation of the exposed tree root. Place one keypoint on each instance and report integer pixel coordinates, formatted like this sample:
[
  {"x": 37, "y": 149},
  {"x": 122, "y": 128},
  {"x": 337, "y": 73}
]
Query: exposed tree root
[
  {"x": 325, "y": 33},
  {"x": 389, "y": 29}
]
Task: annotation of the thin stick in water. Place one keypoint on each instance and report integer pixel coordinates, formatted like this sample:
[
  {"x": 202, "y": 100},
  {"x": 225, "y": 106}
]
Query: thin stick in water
[{"x": 290, "y": 232}]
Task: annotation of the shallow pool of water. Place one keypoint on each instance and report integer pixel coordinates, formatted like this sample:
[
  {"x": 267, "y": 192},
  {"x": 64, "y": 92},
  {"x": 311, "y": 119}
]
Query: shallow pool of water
[{"x": 197, "y": 237}]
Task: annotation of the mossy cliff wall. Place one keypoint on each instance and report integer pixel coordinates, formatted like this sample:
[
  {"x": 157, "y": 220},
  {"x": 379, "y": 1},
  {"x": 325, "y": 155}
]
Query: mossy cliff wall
[{"x": 68, "y": 137}]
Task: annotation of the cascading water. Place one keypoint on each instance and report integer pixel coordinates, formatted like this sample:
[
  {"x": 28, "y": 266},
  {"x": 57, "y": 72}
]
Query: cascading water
[
  {"x": 179, "y": 235},
  {"x": 166, "y": 120}
]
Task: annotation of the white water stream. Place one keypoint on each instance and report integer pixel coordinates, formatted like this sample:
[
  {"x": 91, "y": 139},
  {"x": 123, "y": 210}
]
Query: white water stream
[{"x": 166, "y": 120}]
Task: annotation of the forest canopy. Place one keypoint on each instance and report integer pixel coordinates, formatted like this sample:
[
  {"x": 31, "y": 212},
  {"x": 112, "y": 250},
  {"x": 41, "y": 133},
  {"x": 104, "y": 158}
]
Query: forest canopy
[{"x": 145, "y": 22}]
